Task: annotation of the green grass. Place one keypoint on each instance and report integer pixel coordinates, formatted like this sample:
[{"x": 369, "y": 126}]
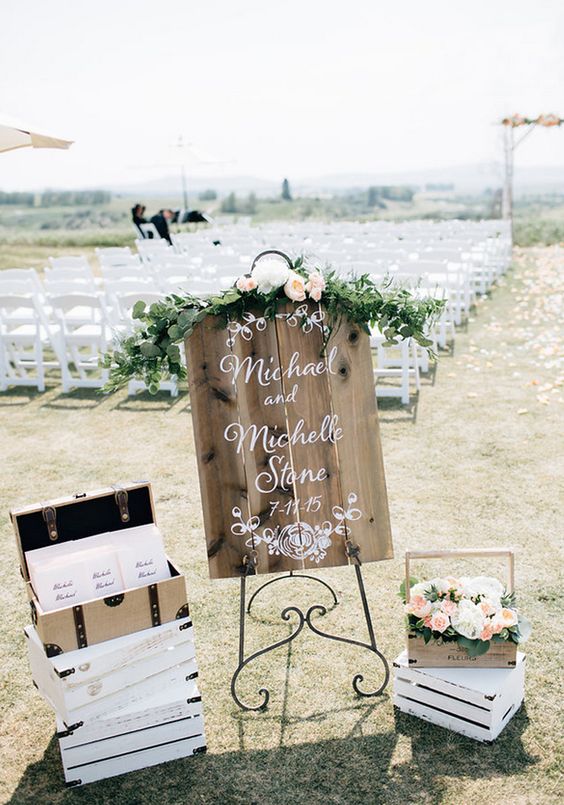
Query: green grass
[{"x": 472, "y": 463}]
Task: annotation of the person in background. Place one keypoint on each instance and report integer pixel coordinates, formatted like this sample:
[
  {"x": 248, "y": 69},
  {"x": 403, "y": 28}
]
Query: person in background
[
  {"x": 138, "y": 214},
  {"x": 161, "y": 221}
]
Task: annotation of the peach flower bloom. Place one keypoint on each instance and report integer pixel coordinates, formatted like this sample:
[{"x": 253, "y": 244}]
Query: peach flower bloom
[
  {"x": 246, "y": 283},
  {"x": 487, "y": 607},
  {"x": 295, "y": 287},
  {"x": 419, "y": 606},
  {"x": 448, "y": 607},
  {"x": 504, "y": 619},
  {"x": 487, "y": 632},
  {"x": 439, "y": 621},
  {"x": 315, "y": 285}
]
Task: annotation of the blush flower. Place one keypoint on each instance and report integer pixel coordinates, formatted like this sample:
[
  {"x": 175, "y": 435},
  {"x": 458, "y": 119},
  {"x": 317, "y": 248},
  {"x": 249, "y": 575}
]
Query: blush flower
[
  {"x": 439, "y": 622},
  {"x": 295, "y": 287},
  {"x": 487, "y": 632},
  {"x": 315, "y": 285},
  {"x": 246, "y": 283},
  {"x": 419, "y": 606},
  {"x": 448, "y": 607},
  {"x": 504, "y": 619}
]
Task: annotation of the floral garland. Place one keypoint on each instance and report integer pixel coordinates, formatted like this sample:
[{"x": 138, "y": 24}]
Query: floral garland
[
  {"x": 152, "y": 353},
  {"x": 469, "y": 611},
  {"x": 542, "y": 120}
]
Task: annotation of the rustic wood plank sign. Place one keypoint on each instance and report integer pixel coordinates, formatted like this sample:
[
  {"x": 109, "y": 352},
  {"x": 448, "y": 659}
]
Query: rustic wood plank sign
[{"x": 287, "y": 442}]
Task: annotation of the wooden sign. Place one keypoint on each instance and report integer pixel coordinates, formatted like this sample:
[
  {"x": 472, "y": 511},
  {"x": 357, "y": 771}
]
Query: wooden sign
[{"x": 287, "y": 442}]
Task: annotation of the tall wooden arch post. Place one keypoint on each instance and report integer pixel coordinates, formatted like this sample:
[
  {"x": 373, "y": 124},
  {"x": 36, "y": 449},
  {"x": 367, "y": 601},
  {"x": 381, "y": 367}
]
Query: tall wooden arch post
[{"x": 289, "y": 455}]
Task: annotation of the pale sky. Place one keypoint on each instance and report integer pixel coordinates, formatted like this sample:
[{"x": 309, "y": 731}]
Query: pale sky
[{"x": 274, "y": 88}]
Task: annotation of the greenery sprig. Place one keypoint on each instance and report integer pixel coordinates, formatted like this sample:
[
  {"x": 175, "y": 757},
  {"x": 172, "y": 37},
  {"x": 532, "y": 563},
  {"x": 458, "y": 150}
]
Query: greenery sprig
[{"x": 151, "y": 353}]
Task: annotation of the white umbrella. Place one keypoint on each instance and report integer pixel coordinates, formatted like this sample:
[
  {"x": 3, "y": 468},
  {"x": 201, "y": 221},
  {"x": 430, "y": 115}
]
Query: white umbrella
[{"x": 15, "y": 135}]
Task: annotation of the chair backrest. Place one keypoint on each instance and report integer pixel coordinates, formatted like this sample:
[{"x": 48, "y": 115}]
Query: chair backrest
[
  {"x": 152, "y": 245},
  {"x": 119, "y": 260},
  {"x": 25, "y": 277},
  {"x": 67, "y": 301},
  {"x": 126, "y": 301},
  {"x": 73, "y": 261},
  {"x": 120, "y": 287},
  {"x": 149, "y": 231},
  {"x": 133, "y": 271},
  {"x": 21, "y": 286},
  {"x": 108, "y": 251},
  {"x": 14, "y": 301},
  {"x": 69, "y": 286},
  {"x": 62, "y": 273}
]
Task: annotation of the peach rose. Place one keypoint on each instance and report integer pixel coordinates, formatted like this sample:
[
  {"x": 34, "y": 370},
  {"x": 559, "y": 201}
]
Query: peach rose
[
  {"x": 295, "y": 287},
  {"x": 487, "y": 632},
  {"x": 246, "y": 283},
  {"x": 439, "y": 621},
  {"x": 315, "y": 285},
  {"x": 487, "y": 607},
  {"x": 504, "y": 619},
  {"x": 419, "y": 606},
  {"x": 448, "y": 607}
]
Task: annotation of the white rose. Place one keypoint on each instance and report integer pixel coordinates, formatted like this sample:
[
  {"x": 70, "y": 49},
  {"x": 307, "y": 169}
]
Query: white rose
[
  {"x": 424, "y": 587},
  {"x": 468, "y": 620},
  {"x": 484, "y": 586},
  {"x": 270, "y": 273}
]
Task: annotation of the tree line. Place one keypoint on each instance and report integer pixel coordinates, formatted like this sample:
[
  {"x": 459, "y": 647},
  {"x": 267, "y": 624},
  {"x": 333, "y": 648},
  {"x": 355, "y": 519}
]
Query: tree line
[{"x": 56, "y": 198}]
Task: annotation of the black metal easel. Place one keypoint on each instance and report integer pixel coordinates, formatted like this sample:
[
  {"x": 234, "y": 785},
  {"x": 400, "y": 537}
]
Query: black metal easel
[{"x": 303, "y": 620}]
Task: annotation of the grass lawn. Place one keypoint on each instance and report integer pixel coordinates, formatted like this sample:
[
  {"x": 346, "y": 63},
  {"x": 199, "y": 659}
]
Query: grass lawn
[{"x": 473, "y": 463}]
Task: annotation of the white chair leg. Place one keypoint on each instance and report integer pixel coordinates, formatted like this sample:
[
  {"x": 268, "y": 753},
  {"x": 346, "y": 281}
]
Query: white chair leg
[
  {"x": 415, "y": 364},
  {"x": 39, "y": 368}
]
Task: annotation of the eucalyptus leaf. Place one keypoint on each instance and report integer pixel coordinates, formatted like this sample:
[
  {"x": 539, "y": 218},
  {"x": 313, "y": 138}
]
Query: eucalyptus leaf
[
  {"x": 138, "y": 310},
  {"x": 474, "y": 648},
  {"x": 402, "y": 591},
  {"x": 150, "y": 350},
  {"x": 525, "y": 628}
]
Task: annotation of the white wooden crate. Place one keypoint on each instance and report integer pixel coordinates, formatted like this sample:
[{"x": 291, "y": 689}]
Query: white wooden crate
[
  {"x": 170, "y": 702},
  {"x": 87, "y": 758},
  {"x": 477, "y": 702},
  {"x": 84, "y": 677}
]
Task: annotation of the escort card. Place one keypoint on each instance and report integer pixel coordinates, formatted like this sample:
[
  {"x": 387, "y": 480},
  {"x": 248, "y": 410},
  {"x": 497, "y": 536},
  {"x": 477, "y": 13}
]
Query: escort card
[
  {"x": 61, "y": 583},
  {"x": 141, "y": 554}
]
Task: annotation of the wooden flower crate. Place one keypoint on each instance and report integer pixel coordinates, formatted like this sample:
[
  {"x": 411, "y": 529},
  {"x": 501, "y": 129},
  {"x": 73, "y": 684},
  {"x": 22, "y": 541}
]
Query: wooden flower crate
[{"x": 450, "y": 655}]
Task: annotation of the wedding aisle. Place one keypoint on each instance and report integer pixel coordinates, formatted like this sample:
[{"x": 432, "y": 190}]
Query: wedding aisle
[{"x": 473, "y": 461}]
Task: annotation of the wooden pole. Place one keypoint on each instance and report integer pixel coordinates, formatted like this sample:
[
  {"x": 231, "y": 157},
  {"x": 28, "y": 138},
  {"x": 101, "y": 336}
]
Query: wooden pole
[{"x": 507, "y": 199}]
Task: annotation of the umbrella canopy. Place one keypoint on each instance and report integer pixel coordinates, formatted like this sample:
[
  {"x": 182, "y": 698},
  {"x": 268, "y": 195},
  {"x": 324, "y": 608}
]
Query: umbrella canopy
[{"x": 15, "y": 135}]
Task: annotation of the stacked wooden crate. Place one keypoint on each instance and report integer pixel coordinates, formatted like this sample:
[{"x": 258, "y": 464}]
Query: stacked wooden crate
[
  {"x": 120, "y": 672},
  {"x": 477, "y": 703}
]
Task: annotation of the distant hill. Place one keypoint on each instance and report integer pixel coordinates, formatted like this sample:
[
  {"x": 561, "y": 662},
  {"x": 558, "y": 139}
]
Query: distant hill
[{"x": 466, "y": 179}]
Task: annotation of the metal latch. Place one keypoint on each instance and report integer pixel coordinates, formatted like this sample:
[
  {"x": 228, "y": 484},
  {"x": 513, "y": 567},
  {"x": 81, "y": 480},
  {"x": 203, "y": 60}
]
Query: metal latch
[
  {"x": 121, "y": 497},
  {"x": 50, "y": 517}
]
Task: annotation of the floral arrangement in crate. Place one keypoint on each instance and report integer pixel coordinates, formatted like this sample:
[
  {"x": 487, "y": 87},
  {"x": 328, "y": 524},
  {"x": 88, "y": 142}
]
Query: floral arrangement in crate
[{"x": 471, "y": 612}]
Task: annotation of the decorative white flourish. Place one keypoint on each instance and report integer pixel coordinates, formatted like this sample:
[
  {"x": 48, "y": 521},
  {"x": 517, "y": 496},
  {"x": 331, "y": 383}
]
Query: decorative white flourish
[
  {"x": 297, "y": 540},
  {"x": 300, "y": 316},
  {"x": 236, "y": 328}
]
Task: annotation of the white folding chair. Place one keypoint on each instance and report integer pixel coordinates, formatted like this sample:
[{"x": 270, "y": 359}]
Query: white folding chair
[
  {"x": 84, "y": 336},
  {"x": 70, "y": 261},
  {"x": 23, "y": 344},
  {"x": 24, "y": 278},
  {"x": 399, "y": 361}
]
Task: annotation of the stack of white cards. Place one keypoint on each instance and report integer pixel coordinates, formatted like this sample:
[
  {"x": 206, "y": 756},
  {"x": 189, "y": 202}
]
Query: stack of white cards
[
  {"x": 96, "y": 567},
  {"x": 124, "y": 704}
]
